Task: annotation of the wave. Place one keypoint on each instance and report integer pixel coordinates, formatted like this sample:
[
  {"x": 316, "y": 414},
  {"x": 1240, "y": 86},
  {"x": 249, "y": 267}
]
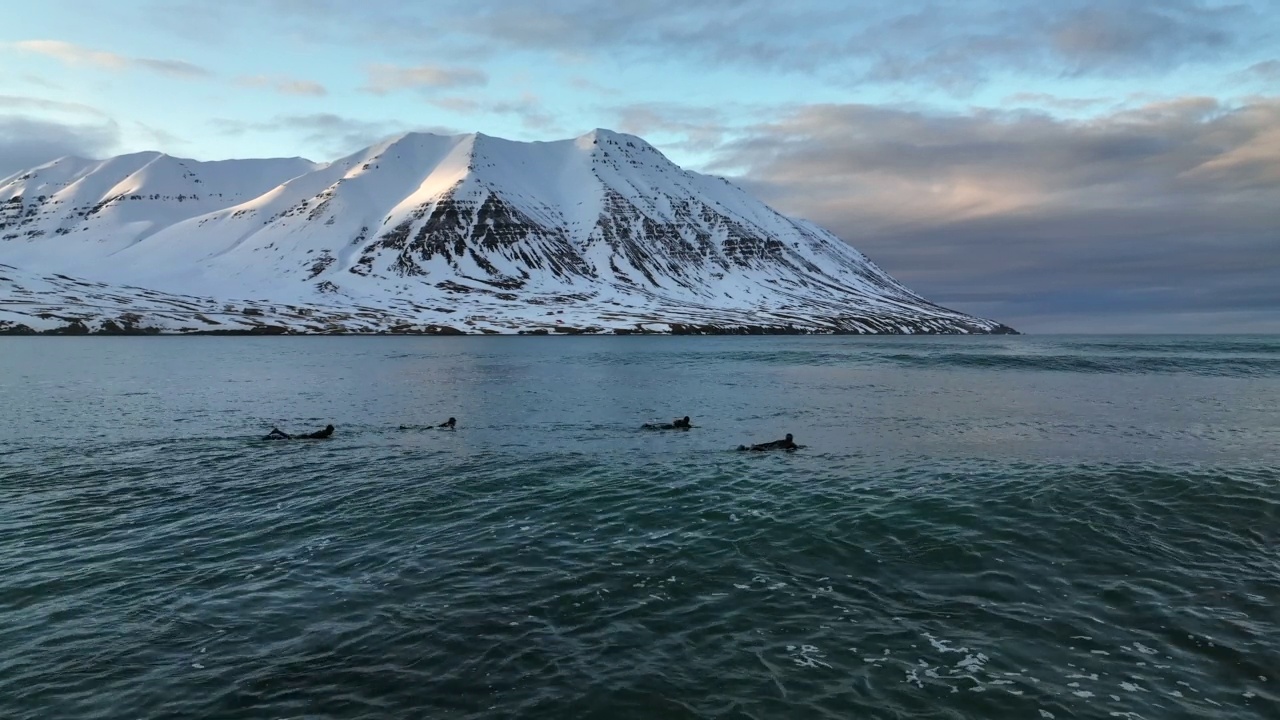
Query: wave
[
  {"x": 1196, "y": 356},
  {"x": 1096, "y": 364},
  {"x": 1181, "y": 345}
]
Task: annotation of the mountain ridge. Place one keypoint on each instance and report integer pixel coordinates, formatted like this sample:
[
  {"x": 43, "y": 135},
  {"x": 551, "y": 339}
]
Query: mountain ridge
[{"x": 602, "y": 226}]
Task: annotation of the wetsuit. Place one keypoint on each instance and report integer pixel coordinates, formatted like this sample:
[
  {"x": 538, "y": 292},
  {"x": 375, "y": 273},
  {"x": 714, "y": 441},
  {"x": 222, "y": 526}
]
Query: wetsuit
[
  {"x": 785, "y": 444},
  {"x": 450, "y": 424},
  {"x": 776, "y": 445},
  {"x": 679, "y": 424},
  {"x": 275, "y": 434}
]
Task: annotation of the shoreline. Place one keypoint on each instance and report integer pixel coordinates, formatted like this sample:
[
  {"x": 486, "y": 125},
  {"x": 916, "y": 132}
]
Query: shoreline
[{"x": 677, "y": 329}]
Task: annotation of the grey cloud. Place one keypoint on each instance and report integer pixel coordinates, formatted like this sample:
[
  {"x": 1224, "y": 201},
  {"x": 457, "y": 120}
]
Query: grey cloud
[
  {"x": 383, "y": 79},
  {"x": 581, "y": 83},
  {"x": 160, "y": 137},
  {"x": 27, "y": 142},
  {"x": 1268, "y": 70},
  {"x": 284, "y": 85},
  {"x": 1123, "y": 33},
  {"x": 42, "y": 82},
  {"x": 332, "y": 134},
  {"x": 527, "y": 108},
  {"x": 700, "y": 128},
  {"x": 458, "y": 104},
  {"x": 1038, "y": 272},
  {"x": 955, "y": 46},
  {"x": 177, "y": 68},
  {"x": 25, "y": 104},
  {"x": 1157, "y": 211},
  {"x": 958, "y": 47},
  {"x": 1045, "y": 100}
]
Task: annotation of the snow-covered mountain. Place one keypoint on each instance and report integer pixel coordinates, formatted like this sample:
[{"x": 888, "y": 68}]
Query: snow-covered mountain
[{"x": 470, "y": 233}]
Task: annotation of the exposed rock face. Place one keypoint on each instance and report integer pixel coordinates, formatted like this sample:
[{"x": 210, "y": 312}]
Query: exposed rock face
[{"x": 461, "y": 234}]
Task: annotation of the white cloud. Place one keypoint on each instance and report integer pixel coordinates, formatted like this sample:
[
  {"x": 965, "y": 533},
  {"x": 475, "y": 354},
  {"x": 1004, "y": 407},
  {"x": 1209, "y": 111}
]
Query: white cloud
[{"x": 76, "y": 55}]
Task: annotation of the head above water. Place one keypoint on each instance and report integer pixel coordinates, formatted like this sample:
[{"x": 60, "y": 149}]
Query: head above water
[
  {"x": 788, "y": 437},
  {"x": 686, "y": 418},
  {"x": 328, "y": 428}
]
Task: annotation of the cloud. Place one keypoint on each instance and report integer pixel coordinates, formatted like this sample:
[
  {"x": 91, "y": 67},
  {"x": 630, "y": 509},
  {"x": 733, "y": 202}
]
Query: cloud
[
  {"x": 159, "y": 137},
  {"x": 335, "y": 135},
  {"x": 21, "y": 103},
  {"x": 1268, "y": 70},
  {"x": 1163, "y": 208},
  {"x": 1098, "y": 35},
  {"x": 956, "y": 46},
  {"x": 41, "y": 82},
  {"x": 76, "y": 55},
  {"x": 36, "y": 130},
  {"x": 917, "y": 46},
  {"x": 383, "y": 79},
  {"x": 700, "y": 128},
  {"x": 1054, "y": 102},
  {"x": 27, "y": 142},
  {"x": 579, "y": 82},
  {"x": 527, "y": 108},
  {"x": 284, "y": 85}
]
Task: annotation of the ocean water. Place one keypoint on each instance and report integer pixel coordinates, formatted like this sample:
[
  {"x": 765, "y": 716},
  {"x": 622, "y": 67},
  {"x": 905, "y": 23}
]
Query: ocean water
[{"x": 979, "y": 527}]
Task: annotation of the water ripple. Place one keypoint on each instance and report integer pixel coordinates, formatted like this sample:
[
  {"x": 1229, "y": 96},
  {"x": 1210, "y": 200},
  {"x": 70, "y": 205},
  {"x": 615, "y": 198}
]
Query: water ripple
[{"x": 947, "y": 547}]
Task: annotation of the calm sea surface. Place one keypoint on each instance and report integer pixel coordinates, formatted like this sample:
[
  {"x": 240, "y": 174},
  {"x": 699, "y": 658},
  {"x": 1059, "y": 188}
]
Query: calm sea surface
[{"x": 985, "y": 527}]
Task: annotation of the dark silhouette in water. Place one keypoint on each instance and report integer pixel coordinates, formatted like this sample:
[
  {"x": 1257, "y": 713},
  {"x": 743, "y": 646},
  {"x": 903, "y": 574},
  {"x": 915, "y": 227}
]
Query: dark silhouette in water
[
  {"x": 785, "y": 444},
  {"x": 677, "y": 424},
  {"x": 449, "y": 424},
  {"x": 275, "y": 434}
]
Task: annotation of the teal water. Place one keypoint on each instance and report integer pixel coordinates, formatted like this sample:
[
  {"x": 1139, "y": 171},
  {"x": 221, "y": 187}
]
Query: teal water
[{"x": 1000, "y": 527}]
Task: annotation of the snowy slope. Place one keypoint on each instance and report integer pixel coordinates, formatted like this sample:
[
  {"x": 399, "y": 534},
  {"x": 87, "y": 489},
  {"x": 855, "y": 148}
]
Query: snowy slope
[
  {"x": 95, "y": 208},
  {"x": 470, "y": 231}
]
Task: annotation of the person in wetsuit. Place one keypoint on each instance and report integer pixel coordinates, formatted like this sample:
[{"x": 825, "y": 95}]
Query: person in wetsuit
[
  {"x": 785, "y": 444},
  {"x": 451, "y": 423},
  {"x": 677, "y": 424},
  {"x": 319, "y": 434},
  {"x": 275, "y": 434}
]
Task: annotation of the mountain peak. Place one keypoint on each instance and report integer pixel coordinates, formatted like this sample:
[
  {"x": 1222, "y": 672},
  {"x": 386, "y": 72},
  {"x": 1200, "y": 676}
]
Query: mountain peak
[
  {"x": 603, "y": 136},
  {"x": 497, "y": 231}
]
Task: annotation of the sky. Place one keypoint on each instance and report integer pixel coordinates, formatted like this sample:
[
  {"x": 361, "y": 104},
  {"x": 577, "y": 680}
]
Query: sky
[{"x": 1073, "y": 166}]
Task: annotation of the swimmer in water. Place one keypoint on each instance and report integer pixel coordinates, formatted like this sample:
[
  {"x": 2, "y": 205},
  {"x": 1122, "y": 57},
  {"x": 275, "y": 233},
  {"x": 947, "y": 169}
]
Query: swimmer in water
[
  {"x": 677, "y": 424},
  {"x": 785, "y": 444},
  {"x": 451, "y": 424},
  {"x": 275, "y": 434}
]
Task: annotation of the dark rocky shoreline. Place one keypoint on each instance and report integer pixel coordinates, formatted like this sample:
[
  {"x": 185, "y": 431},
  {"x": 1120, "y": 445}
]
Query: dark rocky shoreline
[{"x": 112, "y": 329}]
